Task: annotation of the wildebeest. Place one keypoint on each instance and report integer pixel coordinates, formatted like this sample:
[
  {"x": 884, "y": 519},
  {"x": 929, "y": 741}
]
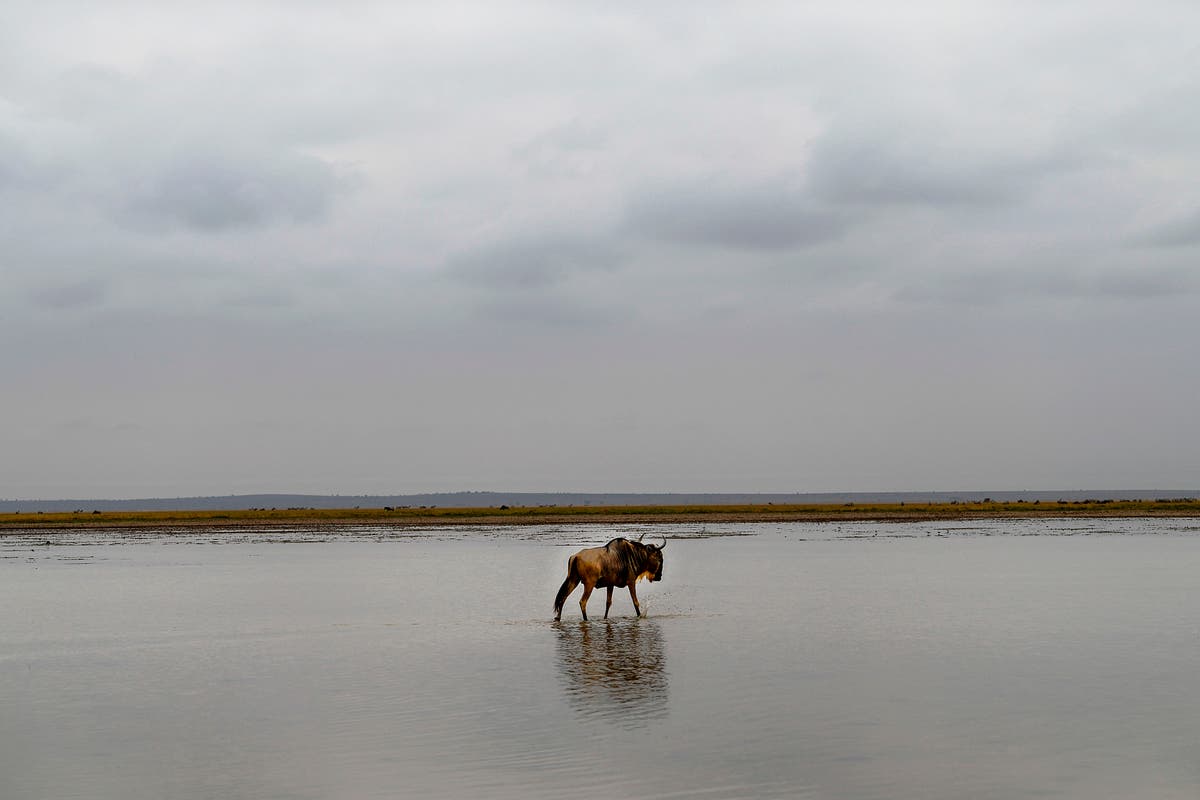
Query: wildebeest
[{"x": 619, "y": 563}]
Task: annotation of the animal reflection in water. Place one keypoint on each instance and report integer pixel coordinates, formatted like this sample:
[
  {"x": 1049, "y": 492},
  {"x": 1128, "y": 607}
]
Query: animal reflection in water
[
  {"x": 619, "y": 564},
  {"x": 614, "y": 670}
]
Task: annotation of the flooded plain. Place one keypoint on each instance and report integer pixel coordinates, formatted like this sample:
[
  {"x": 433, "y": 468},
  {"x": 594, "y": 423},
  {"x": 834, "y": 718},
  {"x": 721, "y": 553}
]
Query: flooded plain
[{"x": 1050, "y": 659}]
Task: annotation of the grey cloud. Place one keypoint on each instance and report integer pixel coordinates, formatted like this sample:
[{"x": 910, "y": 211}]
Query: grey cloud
[
  {"x": 10, "y": 166},
  {"x": 1181, "y": 232},
  {"x": 267, "y": 299},
  {"x": 17, "y": 168},
  {"x": 93, "y": 92},
  {"x": 573, "y": 136},
  {"x": 80, "y": 294},
  {"x": 845, "y": 168},
  {"x": 535, "y": 282},
  {"x": 1165, "y": 119},
  {"x": 766, "y": 216},
  {"x": 533, "y": 262},
  {"x": 1142, "y": 284},
  {"x": 563, "y": 150},
  {"x": 216, "y": 192},
  {"x": 550, "y": 311},
  {"x": 996, "y": 286}
]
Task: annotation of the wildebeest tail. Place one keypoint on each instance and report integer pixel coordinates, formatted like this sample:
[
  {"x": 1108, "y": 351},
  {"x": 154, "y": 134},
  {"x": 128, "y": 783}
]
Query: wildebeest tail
[{"x": 567, "y": 587}]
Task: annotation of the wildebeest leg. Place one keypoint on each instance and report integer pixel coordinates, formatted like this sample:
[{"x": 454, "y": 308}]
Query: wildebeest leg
[
  {"x": 633, "y": 596},
  {"x": 608, "y": 602},
  {"x": 587, "y": 592},
  {"x": 567, "y": 587}
]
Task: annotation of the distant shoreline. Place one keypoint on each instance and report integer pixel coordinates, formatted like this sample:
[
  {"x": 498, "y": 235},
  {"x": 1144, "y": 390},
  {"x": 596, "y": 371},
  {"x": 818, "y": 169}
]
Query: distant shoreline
[
  {"x": 494, "y": 499},
  {"x": 20, "y": 523}
]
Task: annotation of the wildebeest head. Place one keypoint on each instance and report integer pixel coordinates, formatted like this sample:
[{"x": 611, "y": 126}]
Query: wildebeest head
[{"x": 653, "y": 559}]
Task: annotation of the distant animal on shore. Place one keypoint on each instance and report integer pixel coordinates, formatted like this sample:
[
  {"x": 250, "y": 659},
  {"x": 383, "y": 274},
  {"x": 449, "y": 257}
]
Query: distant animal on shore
[{"x": 620, "y": 563}]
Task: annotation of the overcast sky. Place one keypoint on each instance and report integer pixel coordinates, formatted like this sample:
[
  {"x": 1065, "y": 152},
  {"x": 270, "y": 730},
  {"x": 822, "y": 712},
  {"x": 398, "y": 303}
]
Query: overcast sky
[{"x": 682, "y": 246}]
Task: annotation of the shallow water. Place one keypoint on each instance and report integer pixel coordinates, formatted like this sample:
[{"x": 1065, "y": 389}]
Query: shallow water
[{"x": 985, "y": 660}]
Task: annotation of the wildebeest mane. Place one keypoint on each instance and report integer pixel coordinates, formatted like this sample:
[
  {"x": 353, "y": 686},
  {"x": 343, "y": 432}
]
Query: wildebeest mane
[{"x": 632, "y": 555}]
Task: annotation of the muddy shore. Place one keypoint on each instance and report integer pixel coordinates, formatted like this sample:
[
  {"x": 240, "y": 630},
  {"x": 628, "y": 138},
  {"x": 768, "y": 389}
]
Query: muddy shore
[{"x": 589, "y": 515}]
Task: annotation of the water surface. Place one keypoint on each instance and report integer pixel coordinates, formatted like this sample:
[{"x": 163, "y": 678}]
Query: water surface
[{"x": 986, "y": 660}]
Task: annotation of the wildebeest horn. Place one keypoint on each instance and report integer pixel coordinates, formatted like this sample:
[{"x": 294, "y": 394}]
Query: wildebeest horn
[{"x": 662, "y": 546}]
